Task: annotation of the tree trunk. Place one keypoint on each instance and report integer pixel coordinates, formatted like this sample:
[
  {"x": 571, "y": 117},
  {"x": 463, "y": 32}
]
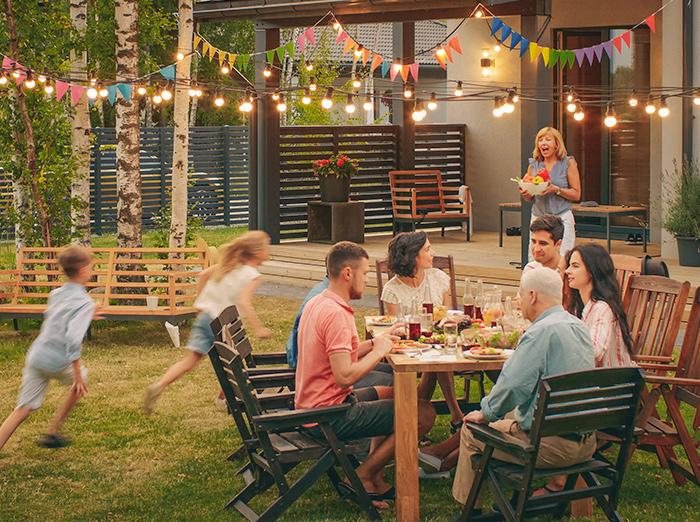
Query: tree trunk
[
  {"x": 181, "y": 133},
  {"x": 129, "y": 206},
  {"x": 194, "y": 100},
  {"x": 28, "y": 134},
  {"x": 80, "y": 137}
]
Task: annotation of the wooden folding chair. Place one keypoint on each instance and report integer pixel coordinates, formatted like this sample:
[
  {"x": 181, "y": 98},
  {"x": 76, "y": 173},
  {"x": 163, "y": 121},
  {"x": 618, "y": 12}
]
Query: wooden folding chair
[
  {"x": 568, "y": 404},
  {"x": 276, "y": 443},
  {"x": 663, "y": 436},
  {"x": 654, "y": 306},
  {"x": 625, "y": 268}
]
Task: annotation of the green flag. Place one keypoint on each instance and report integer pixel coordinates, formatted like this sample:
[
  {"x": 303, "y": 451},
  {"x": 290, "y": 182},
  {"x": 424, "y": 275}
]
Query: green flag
[
  {"x": 243, "y": 60},
  {"x": 280, "y": 54},
  {"x": 290, "y": 49},
  {"x": 270, "y": 56},
  {"x": 553, "y": 57}
]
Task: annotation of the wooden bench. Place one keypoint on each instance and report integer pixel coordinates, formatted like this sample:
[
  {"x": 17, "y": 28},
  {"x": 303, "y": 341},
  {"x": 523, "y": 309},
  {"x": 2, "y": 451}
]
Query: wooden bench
[
  {"x": 419, "y": 196},
  {"x": 122, "y": 279}
]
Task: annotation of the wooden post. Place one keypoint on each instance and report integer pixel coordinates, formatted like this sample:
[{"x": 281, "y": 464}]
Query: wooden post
[
  {"x": 268, "y": 137},
  {"x": 402, "y": 109}
]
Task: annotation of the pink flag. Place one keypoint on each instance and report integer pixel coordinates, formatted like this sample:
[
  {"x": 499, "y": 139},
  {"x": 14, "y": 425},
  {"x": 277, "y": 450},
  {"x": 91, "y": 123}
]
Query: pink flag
[
  {"x": 22, "y": 74},
  {"x": 395, "y": 69},
  {"x": 598, "y": 50},
  {"x": 76, "y": 92},
  {"x": 61, "y": 88},
  {"x": 342, "y": 35},
  {"x": 414, "y": 70},
  {"x": 588, "y": 51},
  {"x": 301, "y": 42},
  {"x": 617, "y": 41},
  {"x": 651, "y": 23},
  {"x": 626, "y": 37},
  {"x": 608, "y": 48},
  {"x": 310, "y": 35},
  {"x": 7, "y": 63},
  {"x": 580, "y": 55}
]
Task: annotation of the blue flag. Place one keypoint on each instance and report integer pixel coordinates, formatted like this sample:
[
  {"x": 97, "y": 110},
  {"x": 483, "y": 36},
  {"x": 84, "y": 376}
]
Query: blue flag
[
  {"x": 524, "y": 46},
  {"x": 125, "y": 90},
  {"x": 112, "y": 93},
  {"x": 505, "y": 33},
  {"x": 515, "y": 39},
  {"x": 496, "y": 24},
  {"x": 386, "y": 65},
  {"x": 168, "y": 72}
]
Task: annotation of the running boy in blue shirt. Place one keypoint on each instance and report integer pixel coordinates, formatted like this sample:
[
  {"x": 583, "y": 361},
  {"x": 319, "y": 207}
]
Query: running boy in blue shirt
[{"x": 55, "y": 353}]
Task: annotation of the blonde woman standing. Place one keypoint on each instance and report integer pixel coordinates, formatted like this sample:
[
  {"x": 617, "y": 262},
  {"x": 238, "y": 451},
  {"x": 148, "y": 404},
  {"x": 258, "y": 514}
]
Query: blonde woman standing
[
  {"x": 565, "y": 183},
  {"x": 232, "y": 281}
]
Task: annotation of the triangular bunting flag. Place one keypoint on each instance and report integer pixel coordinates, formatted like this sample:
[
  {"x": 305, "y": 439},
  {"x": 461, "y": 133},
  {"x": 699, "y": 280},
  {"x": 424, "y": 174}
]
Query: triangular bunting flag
[
  {"x": 243, "y": 60},
  {"x": 440, "y": 57},
  {"x": 608, "y": 47},
  {"x": 448, "y": 52},
  {"x": 588, "y": 51},
  {"x": 310, "y": 35},
  {"x": 617, "y": 42},
  {"x": 545, "y": 55},
  {"x": 342, "y": 35},
  {"x": 22, "y": 75},
  {"x": 395, "y": 69},
  {"x": 454, "y": 43},
  {"x": 7, "y": 63},
  {"x": 280, "y": 53},
  {"x": 366, "y": 53},
  {"x": 290, "y": 49},
  {"x": 376, "y": 62},
  {"x": 580, "y": 56},
  {"x": 515, "y": 39},
  {"x": 212, "y": 52},
  {"x": 270, "y": 55},
  {"x": 349, "y": 45},
  {"x": 125, "y": 90},
  {"x": 626, "y": 37},
  {"x": 414, "y": 70},
  {"x": 404, "y": 72},
  {"x": 553, "y": 57},
  {"x": 197, "y": 40},
  {"x": 570, "y": 58},
  {"x": 232, "y": 59},
  {"x": 112, "y": 93},
  {"x": 222, "y": 57},
  {"x": 563, "y": 59},
  {"x": 496, "y": 24},
  {"x": 168, "y": 72},
  {"x": 534, "y": 51},
  {"x": 598, "y": 51},
  {"x": 505, "y": 33},
  {"x": 76, "y": 92},
  {"x": 301, "y": 42},
  {"x": 386, "y": 67},
  {"x": 524, "y": 46},
  {"x": 651, "y": 23},
  {"x": 205, "y": 48},
  {"x": 61, "y": 88}
]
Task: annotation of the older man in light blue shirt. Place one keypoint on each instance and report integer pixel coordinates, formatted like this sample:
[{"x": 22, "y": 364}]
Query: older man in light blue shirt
[{"x": 555, "y": 343}]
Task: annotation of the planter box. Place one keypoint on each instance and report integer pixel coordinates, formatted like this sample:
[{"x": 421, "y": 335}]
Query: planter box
[{"x": 688, "y": 251}]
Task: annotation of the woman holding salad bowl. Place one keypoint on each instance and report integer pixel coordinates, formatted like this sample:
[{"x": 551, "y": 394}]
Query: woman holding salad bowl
[{"x": 552, "y": 167}]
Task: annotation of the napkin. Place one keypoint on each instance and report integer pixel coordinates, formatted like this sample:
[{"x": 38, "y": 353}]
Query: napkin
[{"x": 174, "y": 333}]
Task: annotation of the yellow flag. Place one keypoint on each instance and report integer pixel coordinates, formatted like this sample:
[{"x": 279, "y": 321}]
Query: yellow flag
[
  {"x": 534, "y": 51},
  {"x": 205, "y": 49},
  {"x": 222, "y": 57},
  {"x": 197, "y": 39},
  {"x": 231, "y": 59},
  {"x": 212, "y": 52},
  {"x": 545, "y": 54}
]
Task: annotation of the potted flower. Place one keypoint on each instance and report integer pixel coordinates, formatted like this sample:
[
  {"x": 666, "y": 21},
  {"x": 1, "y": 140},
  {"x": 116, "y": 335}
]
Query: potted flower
[
  {"x": 334, "y": 176},
  {"x": 683, "y": 215}
]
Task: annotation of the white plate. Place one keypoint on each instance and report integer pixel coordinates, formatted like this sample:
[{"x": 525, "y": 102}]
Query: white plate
[
  {"x": 506, "y": 353},
  {"x": 375, "y": 321}
]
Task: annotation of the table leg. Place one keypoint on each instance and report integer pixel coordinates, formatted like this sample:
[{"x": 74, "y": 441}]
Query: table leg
[
  {"x": 406, "y": 451},
  {"x": 584, "y": 507},
  {"x": 607, "y": 233},
  {"x": 500, "y": 227},
  {"x": 644, "y": 235}
]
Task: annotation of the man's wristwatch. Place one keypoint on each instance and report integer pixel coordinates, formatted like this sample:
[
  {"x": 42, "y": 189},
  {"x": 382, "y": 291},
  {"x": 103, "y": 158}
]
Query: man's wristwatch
[{"x": 558, "y": 191}]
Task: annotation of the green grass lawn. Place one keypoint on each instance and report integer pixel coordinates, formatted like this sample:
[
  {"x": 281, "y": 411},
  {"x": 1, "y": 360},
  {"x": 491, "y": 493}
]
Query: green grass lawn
[{"x": 172, "y": 466}]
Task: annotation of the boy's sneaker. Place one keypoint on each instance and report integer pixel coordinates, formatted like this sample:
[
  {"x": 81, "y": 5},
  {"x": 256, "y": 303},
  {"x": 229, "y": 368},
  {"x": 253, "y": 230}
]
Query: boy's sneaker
[
  {"x": 152, "y": 394},
  {"x": 638, "y": 239},
  {"x": 53, "y": 441},
  {"x": 631, "y": 240}
]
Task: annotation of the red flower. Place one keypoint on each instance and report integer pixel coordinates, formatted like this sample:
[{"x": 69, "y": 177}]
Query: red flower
[{"x": 341, "y": 162}]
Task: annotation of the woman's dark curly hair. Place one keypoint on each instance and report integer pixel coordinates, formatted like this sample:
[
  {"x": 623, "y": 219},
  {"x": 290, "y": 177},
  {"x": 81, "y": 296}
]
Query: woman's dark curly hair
[
  {"x": 605, "y": 288},
  {"x": 403, "y": 251}
]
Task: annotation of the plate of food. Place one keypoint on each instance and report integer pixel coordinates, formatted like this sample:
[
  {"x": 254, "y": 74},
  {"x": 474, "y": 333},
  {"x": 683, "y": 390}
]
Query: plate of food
[
  {"x": 534, "y": 185},
  {"x": 404, "y": 345},
  {"x": 436, "y": 338},
  {"x": 381, "y": 320},
  {"x": 485, "y": 353}
]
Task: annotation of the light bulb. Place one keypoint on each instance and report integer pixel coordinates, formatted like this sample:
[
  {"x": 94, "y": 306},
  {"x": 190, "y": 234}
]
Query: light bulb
[
  {"x": 407, "y": 92},
  {"x": 281, "y": 105},
  {"x": 267, "y": 71},
  {"x": 633, "y": 101},
  {"x": 42, "y": 78},
  {"x": 30, "y": 82},
  {"x": 337, "y": 26},
  {"x": 157, "y": 99},
  {"x": 192, "y": 91},
  {"x": 357, "y": 82},
  {"x": 508, "y": 107},
  {"x": 48, "y": 88},
  {"x": 479, "y": 13},
  {"x": 103, "y": 92},
  {"x": 497, "y": 48},
  {"x": 180, "y": 56},
  {"x": 570, "y": 97},
  {"x": 497, "y": 107},
  {"x": 166, "y": 94},
  {"x": 93, "y": 81},
  {"x": 327, "y": 101},
  {"x": 312, "y": 85},
  {"x": 246, "y": 105},
  {"x": 219, "y": 101},
  {"x": 15, "y": 74},
  {"x": 199, "y": 93},
  {"x": 485, "y": 53},
  {"x": 275, "y": 96},
  {"x": 306, "y": 99},
  {"x": 441, "y": 52},
  {"x": 141, "y": 90},
  {"x": 92, "y": 93},
  {"x": 610, "y": 118},
  {"x": 696, "y": 98},
  {"x": 485, "y": 72},
  {"x": 358, "y": 52},
  {"x": 516, "y": 97},
  {"x": 3, "y": 79},
  {"x": 664, "y": 111},
  {"x": 350, "y": 105},
  {"x": 650, "y": 108},
  {"x": 458, "y": 90},
  {"x": 368, "y": 105},
  {"x": 432, "y": 103},
  {"x": 225, "y": 69},
  {"x": 579, "y": 115},
  {"x": 571, "y": 106},
  {"x": 309, "y": 66},
  {"x": 419, "y": 112}
]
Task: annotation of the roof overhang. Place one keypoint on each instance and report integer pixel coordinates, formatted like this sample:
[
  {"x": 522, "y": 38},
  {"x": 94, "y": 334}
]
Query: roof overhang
[{"x": 294, "y": 13}]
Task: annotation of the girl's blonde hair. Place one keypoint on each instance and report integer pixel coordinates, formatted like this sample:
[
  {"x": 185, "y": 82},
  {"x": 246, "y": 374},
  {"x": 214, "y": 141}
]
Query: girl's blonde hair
[
  {"x": 561, "y": 148},
  {"x": 232, "y": 255}
]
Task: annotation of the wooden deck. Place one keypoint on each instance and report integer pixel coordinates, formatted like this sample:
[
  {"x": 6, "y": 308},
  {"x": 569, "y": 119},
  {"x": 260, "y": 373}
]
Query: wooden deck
[{"x": 301, "y": 263}]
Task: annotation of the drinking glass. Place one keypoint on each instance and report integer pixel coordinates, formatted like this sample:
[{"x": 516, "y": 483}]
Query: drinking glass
[
  {"x": 450, "y": 330},
  {"x": 426, "y": 324}
]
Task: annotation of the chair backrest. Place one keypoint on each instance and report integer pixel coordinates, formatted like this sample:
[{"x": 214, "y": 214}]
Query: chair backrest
[
  {"x": 587, "y": 401},
  {"x": 445, "y": 263},
  {"x": 689, "y": 360},
  {"x": 427, "y": 186},
  {"x": 625, "y": 268},
  {"x": 654, "y": 306}
]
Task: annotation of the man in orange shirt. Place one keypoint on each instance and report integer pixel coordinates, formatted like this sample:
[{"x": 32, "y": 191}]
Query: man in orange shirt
[{"x": 331, "y": 359}]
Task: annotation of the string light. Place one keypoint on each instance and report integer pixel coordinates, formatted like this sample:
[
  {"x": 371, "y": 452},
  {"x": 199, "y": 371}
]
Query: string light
[
  {"x": 696, "y": 98},
  {"x": 93, "y": 81},
  {"x": 572, "y": 105},
  {"x": 479, "y": 13},
  {"x": 306, "y": 99},
  {"x": 327, "y": 101},
  {"x": 358, "y": 52},
  {"x": 281, "y": 105},
  {"x": 570, "y": 96},
  {"x": 508, "y": 106},
  {"x": 441, "y": 53},
  {"x": 664, "y": 111},
  {"x": 337, "y": 26},
  {"x": 309, "y": 66},
  {"x": 180, "y": 56},
  {"x": 497, "y": 48},
  {"x": 48, "y": 88},
  {"x": 192, "y": 91},
  {"x": 633, "y": 101},
  {"x": 368, "y": 105},
  {"x": 157, "y": 99},
  {"x": 610, "y": 118},
  {"x": 497, "y": 107},
  {"x": 267, "y": 71},
  {"x": 166, "y": 94},
  {"x": 225, "y": 67},
  {"x": 312, "y": 85},
  {"x": 432, "y": 103},
  {"x": 516, "y": 96},
  {"x": 103, "y": 92},
  {"x": 15, "y": 73},
  {"x": 485, "y": 53},
  {"x": 92, "y": 94},
  {"x": 650, "y": 108},
  {"x": 42, "y": 78},
  {"x": 140, "y": 91},
  {"x": 30, "y": 82},
  {"x": 419, "y": 112},
  {"x": 579, "y": 115},
  {"x": 357, "y": 81},
  {"x": 407, "y": 91},
  {"x": 275, "y": 96},
  {"x": 219, "y": 100},
  {"x": 246, "y": 104},
  {"x": 3, "y": 79},
  {"x": 458, "y": 90},
  {"x": 350, "y": 105}
]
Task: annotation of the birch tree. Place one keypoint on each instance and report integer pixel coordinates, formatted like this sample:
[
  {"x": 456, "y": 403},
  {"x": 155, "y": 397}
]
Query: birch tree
[
  {"x": 178, "y": 220},
  {"x": 80, "y": 135},
  {"x": 129, "y": 204}
]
